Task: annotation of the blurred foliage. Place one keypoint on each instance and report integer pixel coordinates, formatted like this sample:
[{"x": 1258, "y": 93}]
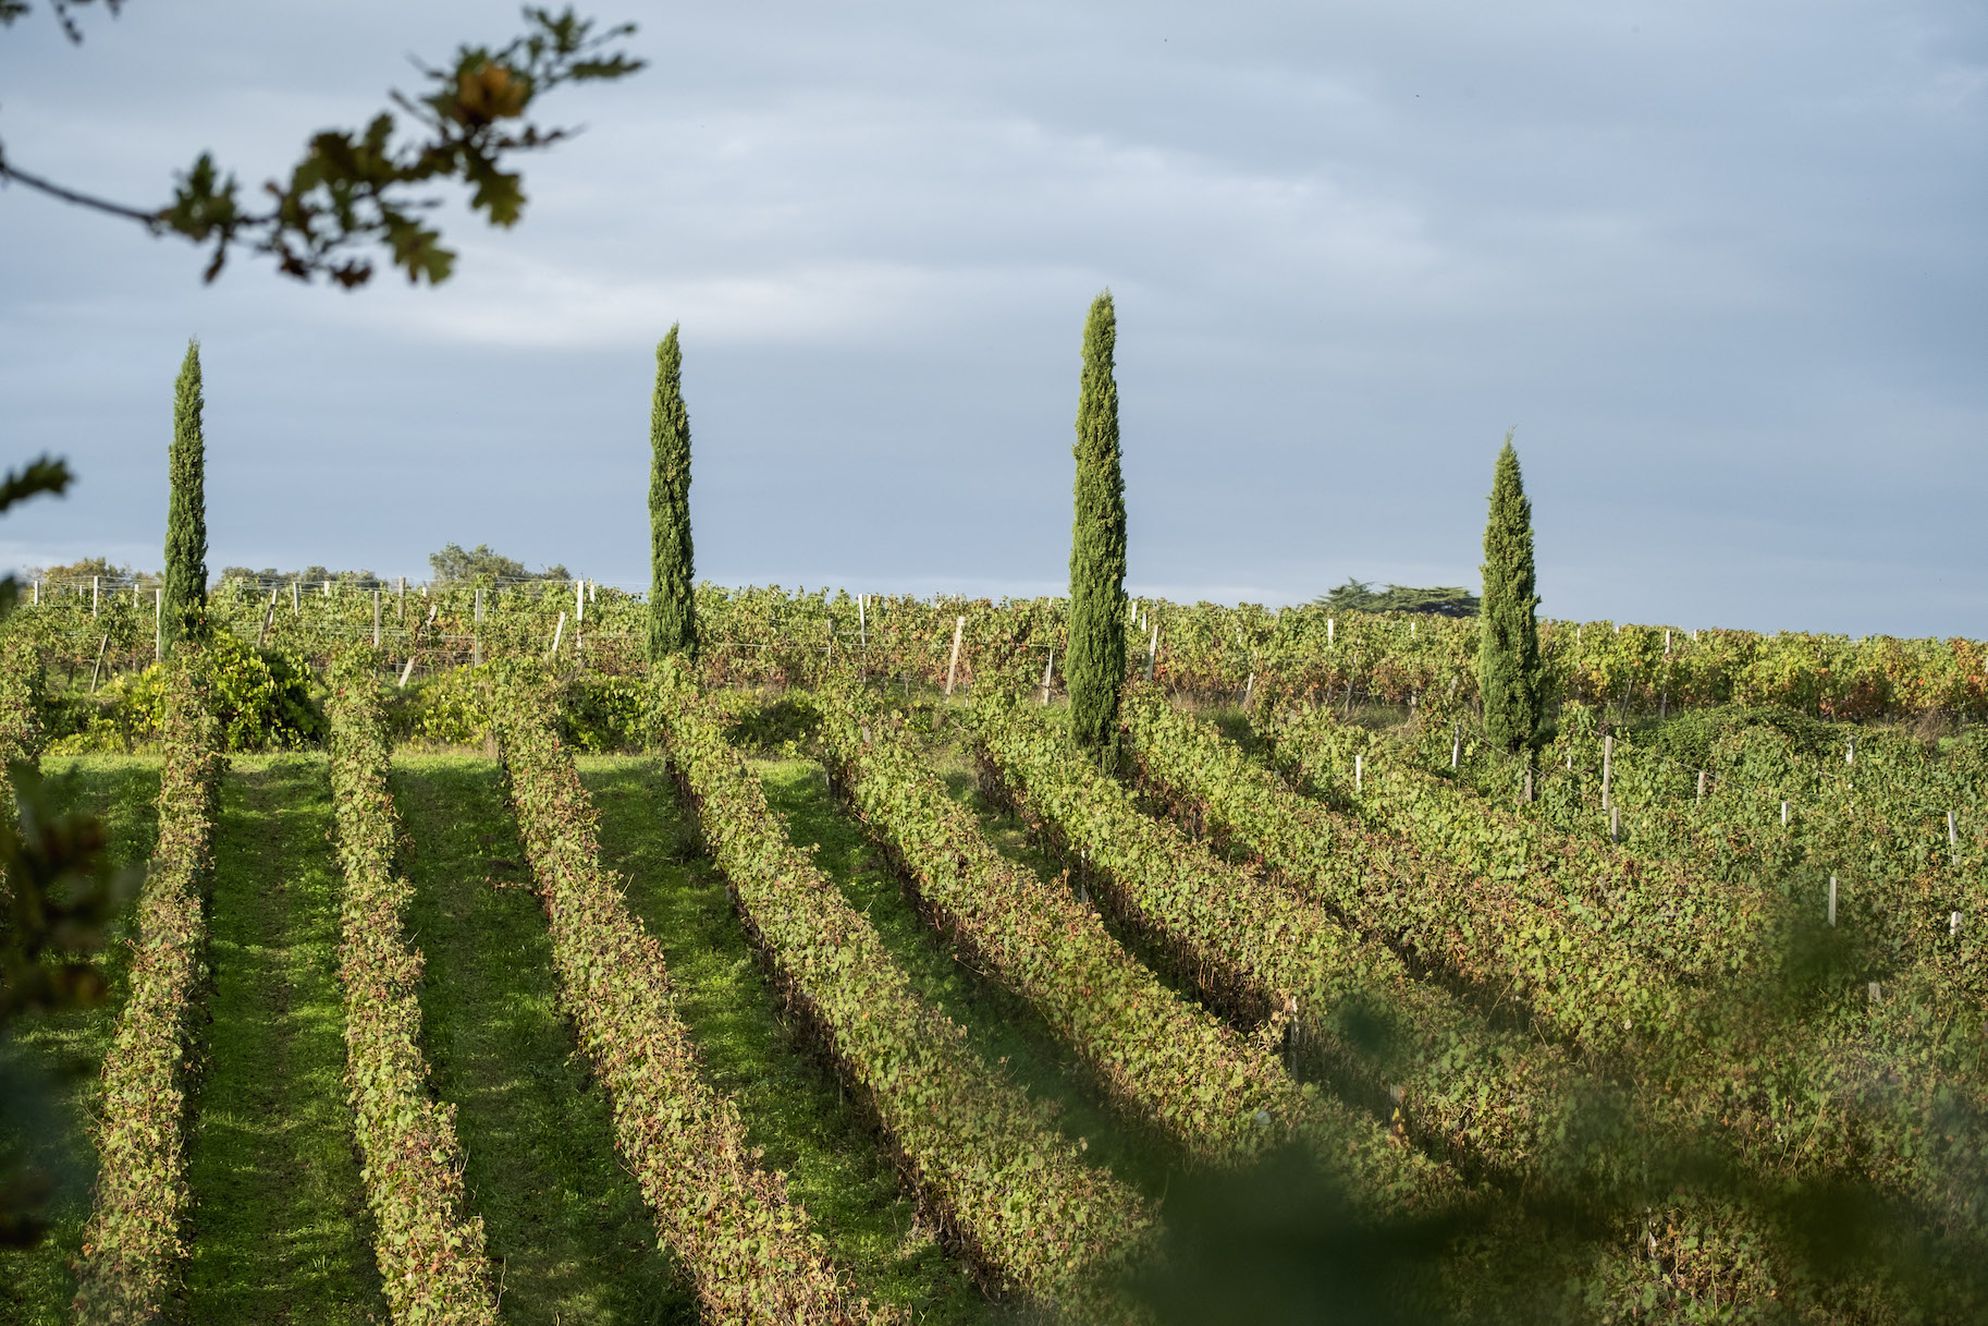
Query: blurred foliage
[
  {"x": 59, "y": 894},
  {"x": 355, "y": 193}
]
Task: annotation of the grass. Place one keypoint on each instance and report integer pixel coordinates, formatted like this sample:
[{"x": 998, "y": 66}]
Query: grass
[
  {"x": 792, "y": 1105},
  {"x": 280, "y": 1226},
  {"x": 563, "y": 1221},
  {"x": 62, "y": 1053}
]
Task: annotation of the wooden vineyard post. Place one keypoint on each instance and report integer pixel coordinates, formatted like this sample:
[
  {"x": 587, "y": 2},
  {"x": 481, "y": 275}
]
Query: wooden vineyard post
[
  {"x": 1607, "y": 766},
  {"x": 93, "y": 596},
  {"x": 476, "y": 626},
  {"x": 1048, "y": 673},
  {"x": 1850, "y": 752},
  {"x": 558, "y": 630},
  {"x": 952, "y": 666},
  {"x": 1953, "y": 925},
  {"x": 1456, "y": 745},
  {"x": 1359, "y": 773},
  {"x": 1153, "y": 651},
  {"x": 1615, "y": 824},
  {"x": 376, "y": 616},
  {"x": 579, "y": 603},
  {"x": 1328, "y": 630},
  {"x": 158, "y": 625},
  {"x": 296, "y": 596},
  {"x": 1249, "y": 688},
  {"x": 268, "y": 619},
  {"x": 99, "y": 663},
  {"x": 400, "y": 594},
  {"x": 1528, "y": 792},
  {"x": 327, "y": 589},
  {"x": 1784, "y": 814},
  {"x": 1701, "y": 784},
  {"x": 1953, "y": 839},
  {"x": 862, "y": 626},
  {"x": 1832, "y": 900}
]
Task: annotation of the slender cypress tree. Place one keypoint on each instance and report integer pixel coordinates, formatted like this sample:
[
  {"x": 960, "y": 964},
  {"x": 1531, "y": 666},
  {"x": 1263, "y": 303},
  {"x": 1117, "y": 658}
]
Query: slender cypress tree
[
  {"x": 182, "y": 609},
  {"x": 1096, "y": 655},
  {"x": 672, "y": 596},
  {"x": 1510, "y": 676}
]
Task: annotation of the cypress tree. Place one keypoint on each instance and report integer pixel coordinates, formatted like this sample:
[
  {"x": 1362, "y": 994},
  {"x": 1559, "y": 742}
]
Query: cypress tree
[
  {"x": 1511, "y": 679},
  {"x": 672, "y": 600},
  {"x": 185, "y": 598},
  {"x": 1095, "y": 662}
]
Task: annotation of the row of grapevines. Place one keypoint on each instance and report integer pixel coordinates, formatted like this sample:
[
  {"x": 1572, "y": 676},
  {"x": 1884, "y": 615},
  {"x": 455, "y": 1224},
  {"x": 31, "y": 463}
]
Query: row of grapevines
[
  {"x": 1869, "y": 807},
  {"x": 1637, "y": 928},
  {"x": 1014, "y": 1191},
  {"x": 1221, "y": 1095},
  {"x": 433, "y": 1267},
  {"x": 1459, "y": 1083},
  {"x": 1799, "y": 1095},
  {"x": 132, "y": 1246},
  {"x": 771, "y": 635},
  {"x": 751, "y": 1252},
  {"x": 1909, "y": 902},
  {"x": 1503, "y": 1101}
]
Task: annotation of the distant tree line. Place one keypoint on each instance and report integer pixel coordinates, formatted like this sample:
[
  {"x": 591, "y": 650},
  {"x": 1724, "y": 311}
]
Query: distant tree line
[{"x": 1437, "y": 601}]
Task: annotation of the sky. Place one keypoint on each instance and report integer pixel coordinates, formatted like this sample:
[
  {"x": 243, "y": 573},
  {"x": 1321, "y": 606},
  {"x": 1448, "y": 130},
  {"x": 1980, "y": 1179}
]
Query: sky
[{"x": 1723, "y": 268}]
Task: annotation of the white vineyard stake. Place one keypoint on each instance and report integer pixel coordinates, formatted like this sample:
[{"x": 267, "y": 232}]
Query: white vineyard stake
[
  {"x": 1832, "y": 900},
  {"x": 952, "y": 665}
]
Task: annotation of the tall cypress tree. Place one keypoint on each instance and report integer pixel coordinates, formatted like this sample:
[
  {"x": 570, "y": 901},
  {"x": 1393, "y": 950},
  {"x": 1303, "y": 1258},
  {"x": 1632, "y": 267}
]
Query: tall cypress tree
[
  {"x": 185, "y": 599},
  {"x": 1510, "y": 676},
  {"x": 672, "y": 595},
  {"x": 1095, "y": 662}
]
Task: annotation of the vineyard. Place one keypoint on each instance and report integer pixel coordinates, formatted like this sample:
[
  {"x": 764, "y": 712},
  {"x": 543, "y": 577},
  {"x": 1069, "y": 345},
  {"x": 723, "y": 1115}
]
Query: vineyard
[
  {"x": 95, "y": 634},
  {"x": 489, "y": 973}
]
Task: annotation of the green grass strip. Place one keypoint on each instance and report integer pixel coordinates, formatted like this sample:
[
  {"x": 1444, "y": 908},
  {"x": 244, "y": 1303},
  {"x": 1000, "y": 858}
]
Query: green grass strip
[
  {"x": 564, "y": 1222},
  {"x": 752, "y": 1252},
  {"x": 1015, "y": 1192},
  {"x": 280, "y": 1225},
  {"x": 795, "y": 1109},
  {"x": 431, "y": 1256},
  {"x": 132, "y": 1248}
]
